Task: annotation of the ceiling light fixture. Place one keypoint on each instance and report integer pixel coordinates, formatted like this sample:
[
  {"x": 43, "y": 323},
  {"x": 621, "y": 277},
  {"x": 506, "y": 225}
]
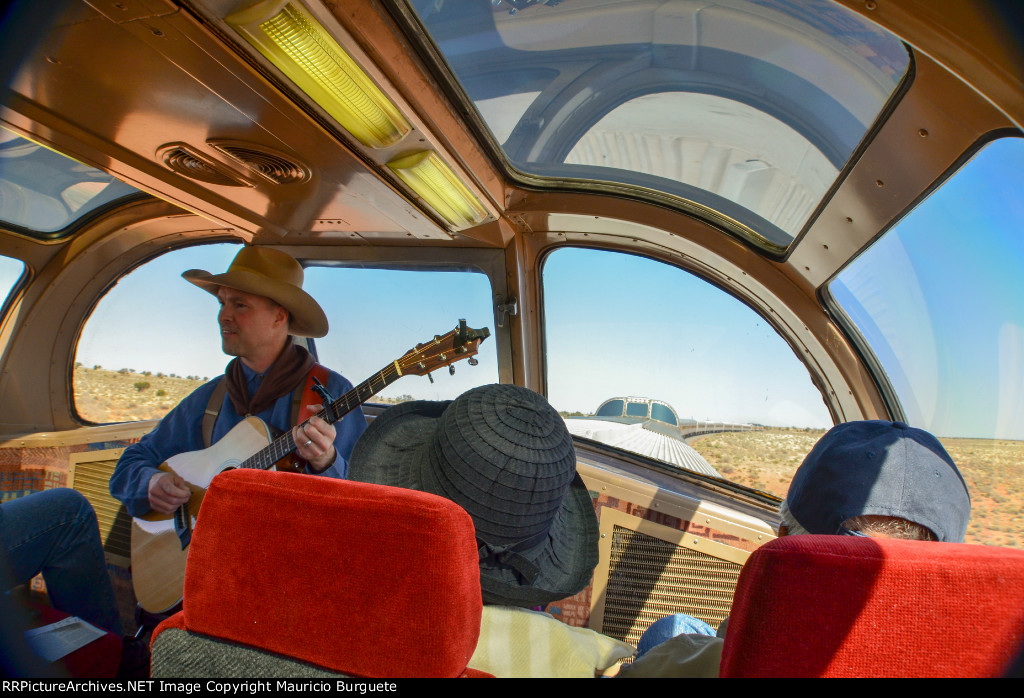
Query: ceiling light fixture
[
  {"x": 428, "y": 176},
  {"x": 299, "y": 46}
]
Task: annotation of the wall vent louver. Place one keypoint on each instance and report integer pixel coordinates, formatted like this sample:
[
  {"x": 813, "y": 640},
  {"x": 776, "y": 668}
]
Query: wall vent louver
[
  {"x": 90, "y": 473},
  {"x": 188, "y": 162},
  {"x": 651, "y": 578},
  {"x": 268, "y": 164}
]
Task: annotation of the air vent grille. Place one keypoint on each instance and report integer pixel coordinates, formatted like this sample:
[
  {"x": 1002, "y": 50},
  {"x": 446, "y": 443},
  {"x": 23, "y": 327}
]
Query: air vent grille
[
  {"x": 90, "y": 475},
  {"x": 189, "y": 163},
  {"x": 650, "y": 578},
  {"x": 270, "y": 165}
]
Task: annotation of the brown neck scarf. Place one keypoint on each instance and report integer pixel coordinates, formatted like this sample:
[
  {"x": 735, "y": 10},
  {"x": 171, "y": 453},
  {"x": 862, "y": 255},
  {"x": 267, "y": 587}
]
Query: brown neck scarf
[{"x": 290, "y": 367}]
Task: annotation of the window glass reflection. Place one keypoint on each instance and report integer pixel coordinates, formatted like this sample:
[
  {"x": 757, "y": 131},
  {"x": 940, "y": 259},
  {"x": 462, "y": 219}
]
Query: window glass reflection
[{"x": 43, "y": 191}]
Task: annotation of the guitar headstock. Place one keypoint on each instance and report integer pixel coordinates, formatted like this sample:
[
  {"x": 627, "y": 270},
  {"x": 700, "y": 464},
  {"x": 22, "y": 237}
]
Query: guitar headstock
[{"x": 444, "y": 350}]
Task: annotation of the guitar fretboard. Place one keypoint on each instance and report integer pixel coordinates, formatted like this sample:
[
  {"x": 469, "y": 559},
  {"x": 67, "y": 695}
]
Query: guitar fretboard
[{"x": 283, "y": 444}]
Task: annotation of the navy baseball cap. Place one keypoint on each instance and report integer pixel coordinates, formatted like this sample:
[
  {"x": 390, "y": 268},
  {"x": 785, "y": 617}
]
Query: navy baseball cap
[{"x": 879, "y": 468}]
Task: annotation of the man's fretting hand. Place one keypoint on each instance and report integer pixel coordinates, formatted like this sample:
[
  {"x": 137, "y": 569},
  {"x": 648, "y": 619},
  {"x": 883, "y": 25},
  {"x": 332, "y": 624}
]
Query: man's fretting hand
[{"x": 314, "y": 442}]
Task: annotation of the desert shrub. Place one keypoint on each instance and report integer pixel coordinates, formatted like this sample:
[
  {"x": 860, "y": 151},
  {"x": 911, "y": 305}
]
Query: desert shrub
[
  {"x": 161, "y": 392},
  {"x": 124, "y": 371},
  {"x": 141, "y": 385}
]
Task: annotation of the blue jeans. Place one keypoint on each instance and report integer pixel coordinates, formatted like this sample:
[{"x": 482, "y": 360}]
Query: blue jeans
[{"x": 55, "y": 532}]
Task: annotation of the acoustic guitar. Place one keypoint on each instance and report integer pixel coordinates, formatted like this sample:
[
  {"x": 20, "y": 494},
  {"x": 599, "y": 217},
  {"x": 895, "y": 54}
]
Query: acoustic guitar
[{"x": 160, "y": 541}]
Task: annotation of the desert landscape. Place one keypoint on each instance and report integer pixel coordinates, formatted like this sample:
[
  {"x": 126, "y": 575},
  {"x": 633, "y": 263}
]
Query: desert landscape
[
  {"x": 764, "y": 460},
  {"x": 103, "y": 395},
  {"x": 992, "y": 469},
  {"x": 122, "y": 395}
]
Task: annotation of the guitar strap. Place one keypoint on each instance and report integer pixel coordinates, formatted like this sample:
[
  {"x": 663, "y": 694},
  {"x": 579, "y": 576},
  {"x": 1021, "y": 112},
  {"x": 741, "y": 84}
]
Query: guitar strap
[
  {"x": 303, "y": 395},
  {"x": 308, "y": 396},
  {"x": 212, "y": 410}
]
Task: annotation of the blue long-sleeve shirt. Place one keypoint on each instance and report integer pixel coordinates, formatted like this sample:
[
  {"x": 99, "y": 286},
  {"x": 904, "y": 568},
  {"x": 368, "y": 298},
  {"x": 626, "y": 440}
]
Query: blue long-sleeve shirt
[{"x": 180, "y": 431}]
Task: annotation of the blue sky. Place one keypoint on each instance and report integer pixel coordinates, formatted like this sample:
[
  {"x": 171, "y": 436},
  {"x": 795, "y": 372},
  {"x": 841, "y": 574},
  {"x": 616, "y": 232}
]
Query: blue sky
[
  {"x": 940, "y": 299},
  {"x": 730, "y": 365},
  {"x": 620, "y": 325},
  {"x": 181, "y": 334}
]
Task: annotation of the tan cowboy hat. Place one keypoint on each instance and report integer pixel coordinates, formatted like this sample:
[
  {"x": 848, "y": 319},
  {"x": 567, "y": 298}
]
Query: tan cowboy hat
[{"x": 272, "y": 274}]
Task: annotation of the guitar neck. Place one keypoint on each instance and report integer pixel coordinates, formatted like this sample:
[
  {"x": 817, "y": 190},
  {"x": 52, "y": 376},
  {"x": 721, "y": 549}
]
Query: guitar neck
[{"x": 283, "y": 444}]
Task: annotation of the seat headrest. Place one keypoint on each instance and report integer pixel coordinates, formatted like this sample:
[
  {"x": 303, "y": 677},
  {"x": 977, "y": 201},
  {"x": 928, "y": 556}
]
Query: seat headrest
[
  {"x": 856, "y": 606},
  {"x": 362, "y": 579}
]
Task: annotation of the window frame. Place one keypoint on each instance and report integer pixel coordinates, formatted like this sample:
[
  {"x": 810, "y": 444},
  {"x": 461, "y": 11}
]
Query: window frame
[{"x": 489, "y": 262}]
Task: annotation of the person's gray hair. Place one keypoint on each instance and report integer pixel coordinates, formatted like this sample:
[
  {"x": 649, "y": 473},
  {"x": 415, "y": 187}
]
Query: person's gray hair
[
  {"x": 793, "y": 527},
  {"x": 889, "y": 527},
  {"x": 880, "y": 526}
]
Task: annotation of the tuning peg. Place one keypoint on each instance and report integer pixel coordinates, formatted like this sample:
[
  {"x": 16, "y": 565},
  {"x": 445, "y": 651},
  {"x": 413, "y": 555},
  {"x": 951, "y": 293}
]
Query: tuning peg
[
  {"x": 451, "y": 369},
  {"x": 472, "y": 361},
  {"x": 430, "y": 377}
]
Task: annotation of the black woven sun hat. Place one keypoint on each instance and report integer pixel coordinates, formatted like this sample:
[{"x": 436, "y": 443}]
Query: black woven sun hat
[{"x": 503, "y": 454}]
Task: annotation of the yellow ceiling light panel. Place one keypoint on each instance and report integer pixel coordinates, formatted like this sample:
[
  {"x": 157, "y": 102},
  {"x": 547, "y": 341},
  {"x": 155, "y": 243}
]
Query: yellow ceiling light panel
[
  {"x": 294, "y": 41},
  {"x": 429, "y": 176}
]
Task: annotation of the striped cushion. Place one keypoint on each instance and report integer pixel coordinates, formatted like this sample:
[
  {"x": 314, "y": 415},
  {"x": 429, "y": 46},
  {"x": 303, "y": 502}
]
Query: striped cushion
[{"x": 517, "y": 643}]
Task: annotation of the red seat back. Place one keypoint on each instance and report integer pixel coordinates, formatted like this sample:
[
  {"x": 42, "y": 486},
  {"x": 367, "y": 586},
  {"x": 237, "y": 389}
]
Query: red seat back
[
  {"x": 851, "y": 606},
  {"x": 360, "y": 579}
]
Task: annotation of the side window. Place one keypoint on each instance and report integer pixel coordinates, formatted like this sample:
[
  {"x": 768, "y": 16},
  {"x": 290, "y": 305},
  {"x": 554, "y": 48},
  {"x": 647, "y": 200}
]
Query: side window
[
  {"x": 11, "y": 271},
  {"x": 938, "y": 301},
  {"x": 151, "y": 340},
  {"x": 625, "y": 328},
  {"x": 377, "y": 315}
]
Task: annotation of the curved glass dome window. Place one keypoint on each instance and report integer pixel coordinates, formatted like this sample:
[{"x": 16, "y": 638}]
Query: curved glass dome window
[
  {"x": 937, "y": 304},
  {"x": 612, "y": 408},
  {"x": 663, "y": 413},
  {"x": 636, "y": 409},
  {"x": 43, "y": 192},
  {"x": 938, "y": 301},
  {"x": 746, "y": 109}
]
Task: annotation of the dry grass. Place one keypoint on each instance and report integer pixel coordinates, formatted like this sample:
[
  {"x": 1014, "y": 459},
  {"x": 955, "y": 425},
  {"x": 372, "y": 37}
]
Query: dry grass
[
  {"x": 995, "y": 477},
  {"x": 103, "y": 395},
  {"x": 992, "y": 470},
  {"x": 765, "y": 460}
]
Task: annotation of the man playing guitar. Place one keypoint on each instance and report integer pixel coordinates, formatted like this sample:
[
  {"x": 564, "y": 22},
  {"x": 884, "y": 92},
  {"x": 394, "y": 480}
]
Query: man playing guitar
[{"x": 261, "y": 304}]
